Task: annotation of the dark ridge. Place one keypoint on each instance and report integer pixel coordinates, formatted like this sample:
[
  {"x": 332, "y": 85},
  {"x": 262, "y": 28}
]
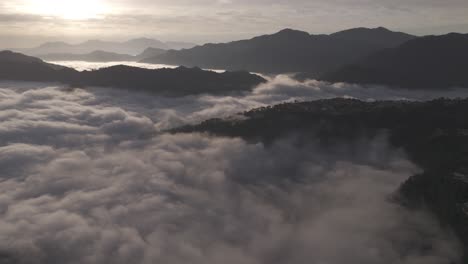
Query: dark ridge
[
  {"x": 425, "y": 63},
  {"x": 174, "y": 82},
  {"x": 377, "y": 36},
  {"x": 16, "y": 66},
  {"x": 286, "y": 51}
]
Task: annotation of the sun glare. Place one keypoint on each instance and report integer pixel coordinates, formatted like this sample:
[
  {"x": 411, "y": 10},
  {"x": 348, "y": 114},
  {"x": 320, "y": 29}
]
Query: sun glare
[{"x": 67, "y": 9}]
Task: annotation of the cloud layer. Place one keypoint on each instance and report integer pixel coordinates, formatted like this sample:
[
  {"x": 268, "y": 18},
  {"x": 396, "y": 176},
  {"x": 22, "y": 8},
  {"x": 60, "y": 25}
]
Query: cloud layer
[{"x": 87, "y": 177}]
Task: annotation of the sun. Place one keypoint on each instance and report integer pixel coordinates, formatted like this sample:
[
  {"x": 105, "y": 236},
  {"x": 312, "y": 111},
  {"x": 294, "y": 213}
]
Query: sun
[{"x": 67, "y": 9}]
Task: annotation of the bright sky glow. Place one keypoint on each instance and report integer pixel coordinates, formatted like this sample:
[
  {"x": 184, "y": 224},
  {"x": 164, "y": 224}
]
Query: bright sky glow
[
  {"x": 66, "y": 9},
  {"x": 26, "y": 23}
]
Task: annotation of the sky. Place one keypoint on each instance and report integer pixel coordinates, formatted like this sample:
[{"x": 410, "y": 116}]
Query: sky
[{"x": 25, "y": 23}]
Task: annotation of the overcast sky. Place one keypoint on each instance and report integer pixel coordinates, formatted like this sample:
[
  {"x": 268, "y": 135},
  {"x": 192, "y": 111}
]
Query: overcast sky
[{"x": 28, "y": 22}]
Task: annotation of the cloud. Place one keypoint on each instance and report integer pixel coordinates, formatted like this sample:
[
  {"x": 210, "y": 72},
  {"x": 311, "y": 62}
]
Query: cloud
[
  {"x": 215, "y": 21},
  {"x": 51, "y": 111},
  {"x": 9, "y": 18},
  {"x": 87, "y": 177},
  {"x": 312, "y": 89}
]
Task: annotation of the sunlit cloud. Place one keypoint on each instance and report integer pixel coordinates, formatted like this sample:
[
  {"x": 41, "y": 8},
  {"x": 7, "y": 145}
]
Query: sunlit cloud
[
  {"x": 203, "y": 21},
  {"x": 73, "y": 10},
  {"x": 86, "y": 178}
]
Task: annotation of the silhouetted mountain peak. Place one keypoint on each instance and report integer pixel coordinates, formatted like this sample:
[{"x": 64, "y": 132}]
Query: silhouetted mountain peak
[
  {"x": 382, "y": 29},
  {"x": 288, "y": 32},
  {"x": 10, "y": 56},
  {"x": 370, "y": 32},
  {"x": 287, "y": 51}
]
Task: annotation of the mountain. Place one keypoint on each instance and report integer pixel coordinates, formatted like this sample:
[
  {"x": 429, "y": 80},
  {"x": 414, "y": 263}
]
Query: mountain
[
  {"x": 379, "y": 36},
  {"x": 140, "y": 44},
  {"x": 179, "y": 81},
  {"x": 426, "y": 62},
  {"x": 16, "y": 66},
  {"x": 433, "y": 134},
  {"x": 95, "y": 56},
  {"x": 172, "y": 82},
  {"x": 149, "y": 52},
  {"x": 132, "y": 47},
  {"x": 287, "y": 51}
]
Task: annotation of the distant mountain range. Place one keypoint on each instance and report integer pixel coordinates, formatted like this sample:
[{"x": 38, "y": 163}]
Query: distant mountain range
[
  {"x": 426, "y": 62},
  {"x": 131, "y": 47},
  {"x": 102, "y": 56},
  {"x": 287, "y": 51},
  {"x": 171, "y": 82},
  {"x": 360, "y": 55}
]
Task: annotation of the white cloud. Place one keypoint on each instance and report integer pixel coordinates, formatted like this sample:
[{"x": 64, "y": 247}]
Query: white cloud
[{"x": 86, "y": 178}]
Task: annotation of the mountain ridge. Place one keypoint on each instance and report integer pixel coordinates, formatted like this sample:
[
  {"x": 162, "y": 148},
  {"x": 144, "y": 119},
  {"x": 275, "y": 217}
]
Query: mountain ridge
[
  {"x": 425, "y": 62},
  {"x": 130, "y": 47},
  {"x": 285, "y": 51},
  {"x": 169, "y": 82}
]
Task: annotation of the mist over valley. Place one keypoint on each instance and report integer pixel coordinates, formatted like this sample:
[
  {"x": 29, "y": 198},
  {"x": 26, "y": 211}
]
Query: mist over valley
[{"x": 243, "y": 132}]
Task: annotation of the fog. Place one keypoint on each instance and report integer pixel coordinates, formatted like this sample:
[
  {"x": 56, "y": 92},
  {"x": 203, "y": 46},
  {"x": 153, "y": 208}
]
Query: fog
[
  {"x": 86, "y": 65},
  {"x": 88, "y": 176}
]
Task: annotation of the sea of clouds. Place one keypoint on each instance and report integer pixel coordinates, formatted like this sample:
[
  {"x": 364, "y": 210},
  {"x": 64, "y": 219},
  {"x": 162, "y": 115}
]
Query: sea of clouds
[
  {"x": 88, "y": 66},
  {"x": 89, "y": 176}
]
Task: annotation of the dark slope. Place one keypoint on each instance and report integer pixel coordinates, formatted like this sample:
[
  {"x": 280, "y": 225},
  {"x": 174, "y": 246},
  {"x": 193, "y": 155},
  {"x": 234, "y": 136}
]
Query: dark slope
[
  {"x": 434, "y": 134},
  {"x": 412, "y": 125},
  {"x": 16, "y": 66},
  {"x": 427, "y": 62},
  {"x": 180, "y": 81},
  {"x": 287, "y": 51}
]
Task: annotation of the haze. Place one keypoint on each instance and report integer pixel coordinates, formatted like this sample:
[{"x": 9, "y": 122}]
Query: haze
[{"x": 26, "y": 23}]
